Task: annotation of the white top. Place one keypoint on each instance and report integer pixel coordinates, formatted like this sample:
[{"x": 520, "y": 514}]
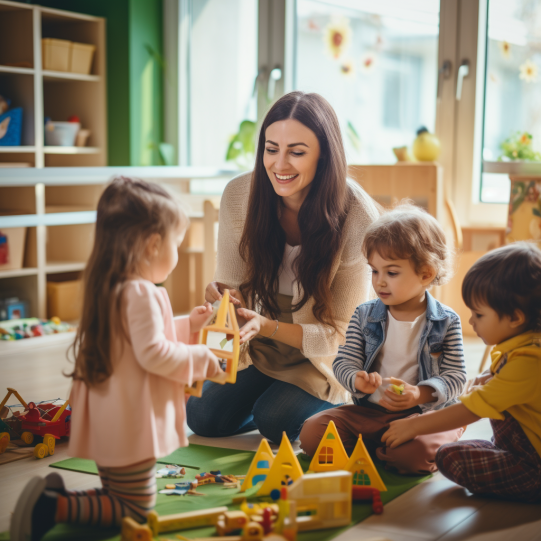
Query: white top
[
  {"x": 287, "y": 274},
  {"x": 398, "y": 357}
]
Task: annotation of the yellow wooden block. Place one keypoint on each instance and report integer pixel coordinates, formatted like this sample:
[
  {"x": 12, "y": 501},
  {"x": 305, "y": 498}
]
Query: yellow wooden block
[
  {"x": 361, "y": 466},
  {"x": 260, "y": 466}
]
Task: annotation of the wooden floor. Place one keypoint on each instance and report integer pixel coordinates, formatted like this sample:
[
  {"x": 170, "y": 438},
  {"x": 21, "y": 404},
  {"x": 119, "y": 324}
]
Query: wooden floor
[{"x": 434, "y": 510}]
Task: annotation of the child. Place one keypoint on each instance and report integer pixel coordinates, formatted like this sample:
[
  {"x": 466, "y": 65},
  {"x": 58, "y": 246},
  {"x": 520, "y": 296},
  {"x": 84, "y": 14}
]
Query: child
[
  {"x": 405, "y": 337},
  {"x": 128, "y": 401},
  {"x": 503, "y": 292}
]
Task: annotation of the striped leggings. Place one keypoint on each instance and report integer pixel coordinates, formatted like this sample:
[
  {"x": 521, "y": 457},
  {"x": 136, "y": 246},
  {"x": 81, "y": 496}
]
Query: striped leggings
[{"x": 126, "y": 492}]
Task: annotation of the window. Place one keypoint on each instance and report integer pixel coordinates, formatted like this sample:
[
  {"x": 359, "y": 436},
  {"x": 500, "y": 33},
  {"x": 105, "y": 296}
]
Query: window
[
  {"x": 512, "y": 120},
  {"x": 326, "y": 455},
  {"x": 376, "y": 63},
  {"x": 263, "y": 464}
]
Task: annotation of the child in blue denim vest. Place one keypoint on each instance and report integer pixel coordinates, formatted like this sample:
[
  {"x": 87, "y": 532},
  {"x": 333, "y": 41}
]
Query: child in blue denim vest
[{"x": 403, "y": 354}]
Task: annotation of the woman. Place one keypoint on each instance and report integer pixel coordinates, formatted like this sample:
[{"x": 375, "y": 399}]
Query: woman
[{"x": 289, "y": 247}]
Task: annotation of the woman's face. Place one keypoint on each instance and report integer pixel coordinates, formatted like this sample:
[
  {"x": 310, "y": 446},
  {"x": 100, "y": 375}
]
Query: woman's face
[{"x": 290, "y": 158}]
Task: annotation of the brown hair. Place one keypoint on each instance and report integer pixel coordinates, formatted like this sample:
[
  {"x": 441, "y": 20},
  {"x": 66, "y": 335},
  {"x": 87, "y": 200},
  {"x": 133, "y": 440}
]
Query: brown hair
[
  {"x": 129, "y": 211},
  {"x": 408, "y": 232},
  {"x": 321, "y": 216},
  {"x": 507, "y": 279}
]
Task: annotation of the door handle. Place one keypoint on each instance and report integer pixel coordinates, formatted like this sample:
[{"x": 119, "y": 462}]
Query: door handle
[
  {"x": 443, "y": 73},
  {"x": 463, "y": 71}
]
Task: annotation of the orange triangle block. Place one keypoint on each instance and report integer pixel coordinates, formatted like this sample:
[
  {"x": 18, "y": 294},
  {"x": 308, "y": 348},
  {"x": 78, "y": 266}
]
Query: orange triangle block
[
  {"x": 284, "y": 470},
  {"x": 260, "y": 466},
  {"x": 361, "y": 466},
  {"x": 330, "y": 454}
]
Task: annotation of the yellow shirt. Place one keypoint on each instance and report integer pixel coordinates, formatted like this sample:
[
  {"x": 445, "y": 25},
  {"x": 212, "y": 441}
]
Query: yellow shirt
[{"x": 515, "y": 387}]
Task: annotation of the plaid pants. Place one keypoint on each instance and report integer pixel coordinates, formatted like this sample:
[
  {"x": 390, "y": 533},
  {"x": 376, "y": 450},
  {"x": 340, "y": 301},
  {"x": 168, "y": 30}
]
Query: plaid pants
[{"x": 509, "y": 467}]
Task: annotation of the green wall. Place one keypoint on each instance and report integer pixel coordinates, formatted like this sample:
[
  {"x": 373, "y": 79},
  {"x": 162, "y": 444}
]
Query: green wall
[{"x": 134, "y": 75}]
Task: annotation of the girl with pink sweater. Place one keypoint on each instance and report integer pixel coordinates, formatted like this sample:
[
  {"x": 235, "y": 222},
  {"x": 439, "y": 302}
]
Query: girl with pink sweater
[{"x": 132, "y": 361}]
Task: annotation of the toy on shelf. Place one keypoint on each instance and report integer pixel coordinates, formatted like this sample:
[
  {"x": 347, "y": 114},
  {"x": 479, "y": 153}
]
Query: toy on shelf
[
  {"x": 17, "y": 329},
  {"x": 360, "y": 494},
  {"x": 11, "y": 121},
  {"x": 284, "y": 471},
  {"x": 46, "y": 420},
  {"x": 330, "y": 454},
  {"x": 361, "y": 466},
  {"x": 225, "y": 323},
  {"x": 156, "y": 525},
  {"x": 260, "y": 466},
  {"x": 426, "y": 147},
  {"x": 12, "y": 307}
]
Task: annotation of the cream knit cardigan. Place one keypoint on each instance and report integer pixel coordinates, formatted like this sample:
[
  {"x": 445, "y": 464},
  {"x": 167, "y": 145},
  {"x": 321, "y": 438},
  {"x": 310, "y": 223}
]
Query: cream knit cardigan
[{"x": 350, "y": 279}]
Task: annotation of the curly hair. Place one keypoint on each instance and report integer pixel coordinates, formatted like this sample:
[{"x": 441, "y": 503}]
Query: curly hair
[{"x": 408, "y": 232}]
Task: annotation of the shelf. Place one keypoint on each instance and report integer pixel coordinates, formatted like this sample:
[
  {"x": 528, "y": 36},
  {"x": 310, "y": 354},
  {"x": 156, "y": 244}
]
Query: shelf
[
  {"x": 14, "y": 273},
  {"x": 14, "y": 69},
  {"x": 18, "y": 150},
  {"x": 71, "y": 150},
  {"x": 513, "y": 168},
  {"x": 57, "y": 218},
  {"x": 54, "y": 267},
  {"x": 67, "y": 75}
]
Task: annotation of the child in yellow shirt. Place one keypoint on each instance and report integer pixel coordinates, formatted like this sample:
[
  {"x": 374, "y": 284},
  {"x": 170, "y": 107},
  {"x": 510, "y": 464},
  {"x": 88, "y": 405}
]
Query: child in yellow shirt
[{"x": 503, "y": 291}]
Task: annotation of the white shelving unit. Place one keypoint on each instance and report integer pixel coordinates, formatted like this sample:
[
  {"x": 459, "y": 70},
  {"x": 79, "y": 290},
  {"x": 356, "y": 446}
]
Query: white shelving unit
[
  {"x": 57, "y": 205},
  {"x": 52, "y": 94}
]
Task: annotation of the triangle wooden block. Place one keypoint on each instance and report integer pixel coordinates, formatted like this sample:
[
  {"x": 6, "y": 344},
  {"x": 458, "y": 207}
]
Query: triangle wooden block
[
  {"x": 361, "y": 466},
  {"x": 260, "y": 466},
  {"x": 284, "y": 470},
  {"x": 330, "y": 454}
]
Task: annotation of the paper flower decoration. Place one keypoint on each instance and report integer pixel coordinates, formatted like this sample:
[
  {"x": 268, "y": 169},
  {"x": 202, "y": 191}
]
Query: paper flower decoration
[
  {"x": 368, "y": 61},
  {"x": 505, "y": 49},
  {"x": 347, "y": 69},
  {"x": 337, "y": 36},
  {"x": 529, "y": 71}
]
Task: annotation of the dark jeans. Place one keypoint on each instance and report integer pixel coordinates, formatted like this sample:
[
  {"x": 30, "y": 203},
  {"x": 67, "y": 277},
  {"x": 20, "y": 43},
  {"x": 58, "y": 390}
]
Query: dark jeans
[{"x": 255, "y": 401}]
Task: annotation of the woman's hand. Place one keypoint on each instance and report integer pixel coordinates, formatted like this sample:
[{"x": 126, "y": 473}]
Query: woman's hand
[
  {"x": 411, "y": 396},
  {"x": 367, "y": 382},
  {"x": 399, "y": 432},
  {"x": 199, "y": 316},
  {"x": 215, "y": 290},
  {"x": 253, "y": 324}
]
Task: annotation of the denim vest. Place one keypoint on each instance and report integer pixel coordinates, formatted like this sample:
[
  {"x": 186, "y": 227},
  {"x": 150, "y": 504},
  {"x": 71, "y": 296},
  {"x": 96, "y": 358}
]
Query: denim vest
[{"x": 372, "y": 319}]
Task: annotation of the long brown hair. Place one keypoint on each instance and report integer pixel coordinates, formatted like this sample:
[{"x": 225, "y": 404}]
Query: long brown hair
[
  {"x": 129, "y": 211},
  {"x": 321, "y": 216}
]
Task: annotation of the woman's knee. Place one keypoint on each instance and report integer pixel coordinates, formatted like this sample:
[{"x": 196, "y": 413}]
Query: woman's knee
[{"x": 199, "y": 419}]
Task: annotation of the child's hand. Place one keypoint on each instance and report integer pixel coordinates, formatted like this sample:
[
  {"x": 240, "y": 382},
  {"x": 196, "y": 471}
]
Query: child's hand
[
  {"x": 367, "y": 382},
  {"x": 395, "y": 402},
  {"x": 252, "y": 327},
  {"x": 399, "y": 432},
  {"x": 199, "y": 317},
  {"x": 214, "y": 368}
]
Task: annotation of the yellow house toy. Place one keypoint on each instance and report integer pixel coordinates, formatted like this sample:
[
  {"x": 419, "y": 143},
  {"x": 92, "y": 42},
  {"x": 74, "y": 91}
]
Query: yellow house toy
[
  {"x": 226, "y": 323},
  {"x": 284, "y": 470},
  {"x": 330, "y": 454},
  {"x": 260, "y": 466},
  {"x": 361, "y": 466}
]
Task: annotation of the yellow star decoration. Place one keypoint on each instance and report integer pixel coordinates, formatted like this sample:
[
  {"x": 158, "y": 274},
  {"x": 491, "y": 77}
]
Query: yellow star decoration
[{"x": 529, "y": 71}]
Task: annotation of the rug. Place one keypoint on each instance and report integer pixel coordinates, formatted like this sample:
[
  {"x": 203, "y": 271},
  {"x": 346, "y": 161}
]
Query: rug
[{"x": 229, "y": 461}]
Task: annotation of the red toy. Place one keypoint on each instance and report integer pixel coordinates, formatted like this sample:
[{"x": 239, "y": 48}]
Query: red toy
[
  {"x": 362, "y": 493},
  {"x": 46, "y": 420}
]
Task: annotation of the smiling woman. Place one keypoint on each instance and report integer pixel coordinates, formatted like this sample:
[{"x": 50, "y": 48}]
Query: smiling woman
[{"x": 289, "y": 249}]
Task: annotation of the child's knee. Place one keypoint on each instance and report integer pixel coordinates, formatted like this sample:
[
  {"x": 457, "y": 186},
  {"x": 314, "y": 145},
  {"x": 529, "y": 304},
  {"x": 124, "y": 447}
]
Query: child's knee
[{"x": 311, "y": 433}]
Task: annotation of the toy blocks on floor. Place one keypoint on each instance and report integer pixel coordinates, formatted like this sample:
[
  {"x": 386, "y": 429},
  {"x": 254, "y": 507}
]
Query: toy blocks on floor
[
  {"x": 322, "y": 500},
  {"x": 362, "y": 468},
  {"x": 225, "y": 323},
  {"x": 285, "y": 469},
  {"x": 260, "y": 466},
  {"x": 330, "y": 454}
]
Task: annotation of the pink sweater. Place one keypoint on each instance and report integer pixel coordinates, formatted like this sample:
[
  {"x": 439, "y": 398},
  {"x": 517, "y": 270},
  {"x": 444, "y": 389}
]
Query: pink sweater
[{"x": 139, "y": 411}]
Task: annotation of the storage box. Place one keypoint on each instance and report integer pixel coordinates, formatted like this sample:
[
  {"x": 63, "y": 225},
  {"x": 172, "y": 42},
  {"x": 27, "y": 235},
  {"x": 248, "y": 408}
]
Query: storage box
[
  {"x": 61, "y": 134},
  {"x": 64, "y": 299},
  {"x": 11, "y": 123},
  {"x": 16, "y": 237},
  {"x": 81, "y": 58},
  {"x": 55, "y": 54}
]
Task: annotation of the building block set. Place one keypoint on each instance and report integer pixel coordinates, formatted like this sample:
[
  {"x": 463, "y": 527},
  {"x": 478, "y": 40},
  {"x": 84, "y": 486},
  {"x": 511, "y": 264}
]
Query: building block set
[{"x": 319, "y": 499}]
